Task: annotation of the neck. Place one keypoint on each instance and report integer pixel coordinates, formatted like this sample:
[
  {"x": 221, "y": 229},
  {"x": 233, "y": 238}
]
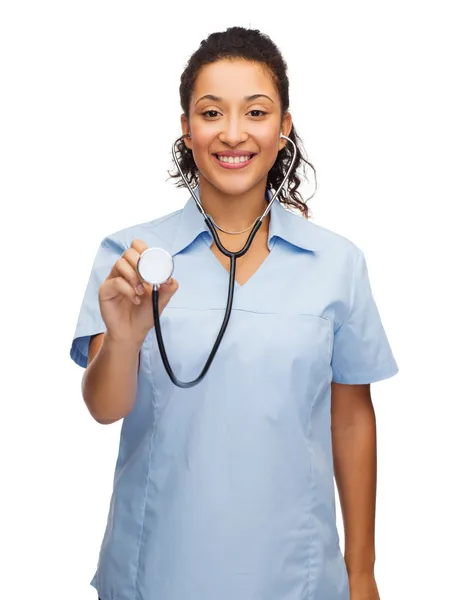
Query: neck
[{"x": 233, "y": 212}]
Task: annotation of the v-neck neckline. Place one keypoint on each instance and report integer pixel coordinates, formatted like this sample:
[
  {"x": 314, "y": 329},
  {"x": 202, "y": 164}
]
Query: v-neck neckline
[{"x": 253, "y": 276}]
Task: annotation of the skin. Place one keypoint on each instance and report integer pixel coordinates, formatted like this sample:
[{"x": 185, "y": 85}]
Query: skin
[
  {"x": 353, "y": 430},
  {"x": 234, "y": 199}
]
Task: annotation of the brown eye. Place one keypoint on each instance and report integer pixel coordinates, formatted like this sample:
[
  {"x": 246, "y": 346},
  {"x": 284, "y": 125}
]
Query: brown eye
[{"x": 209, "y": 113}]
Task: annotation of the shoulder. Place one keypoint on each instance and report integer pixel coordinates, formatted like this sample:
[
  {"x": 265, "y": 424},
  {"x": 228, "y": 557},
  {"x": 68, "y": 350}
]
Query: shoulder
[
  {"x": 158, "y": 232},
  {"x": 330, "y": 245}
]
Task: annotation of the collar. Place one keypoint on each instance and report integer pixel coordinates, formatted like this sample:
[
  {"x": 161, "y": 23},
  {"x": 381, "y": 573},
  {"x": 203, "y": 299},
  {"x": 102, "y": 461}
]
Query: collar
[{"x": 293, "y": 228}]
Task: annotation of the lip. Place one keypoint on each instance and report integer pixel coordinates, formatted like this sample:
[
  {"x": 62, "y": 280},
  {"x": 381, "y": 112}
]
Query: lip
[
  {"x": 226, "y": 165},
  {"x": 234, "y": 153}
]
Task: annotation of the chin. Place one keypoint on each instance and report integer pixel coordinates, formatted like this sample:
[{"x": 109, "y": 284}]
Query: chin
[{"x": 232, "y": 185}]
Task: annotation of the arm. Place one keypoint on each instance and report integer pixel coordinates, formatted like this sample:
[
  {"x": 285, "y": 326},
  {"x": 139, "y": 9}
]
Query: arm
[
  {"x": 353, "y": 431},
  {"x": 109, "y": 383}
]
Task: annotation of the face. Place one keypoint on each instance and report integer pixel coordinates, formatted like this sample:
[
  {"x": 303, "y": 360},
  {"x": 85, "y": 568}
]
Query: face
[{"x": 235, "y": 123}]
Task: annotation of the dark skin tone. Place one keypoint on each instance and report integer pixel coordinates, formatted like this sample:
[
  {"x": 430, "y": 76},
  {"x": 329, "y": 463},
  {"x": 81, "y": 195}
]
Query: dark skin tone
[
  {"x": 353, "y": 431},
  {"x": 235, "y": 106}
]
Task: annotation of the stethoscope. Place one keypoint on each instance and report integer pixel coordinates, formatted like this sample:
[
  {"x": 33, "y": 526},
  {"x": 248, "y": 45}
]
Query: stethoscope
[{"x": 155, "y": 266}]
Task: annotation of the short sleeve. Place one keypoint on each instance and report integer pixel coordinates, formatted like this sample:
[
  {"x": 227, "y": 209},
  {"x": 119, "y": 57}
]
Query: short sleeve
[
  {"x": 361, "y": 350},
  {"x": 90, "y": 321}
]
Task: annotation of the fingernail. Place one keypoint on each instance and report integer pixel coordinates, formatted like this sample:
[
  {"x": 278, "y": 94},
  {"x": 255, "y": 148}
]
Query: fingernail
[{"x": 140, "y": 289}]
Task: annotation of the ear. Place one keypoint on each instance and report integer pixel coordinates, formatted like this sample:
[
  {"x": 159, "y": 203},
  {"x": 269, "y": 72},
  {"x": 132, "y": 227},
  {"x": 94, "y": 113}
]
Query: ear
[
  {"x": 185, "y": 130},
  {"x": 286, "y": 128}
]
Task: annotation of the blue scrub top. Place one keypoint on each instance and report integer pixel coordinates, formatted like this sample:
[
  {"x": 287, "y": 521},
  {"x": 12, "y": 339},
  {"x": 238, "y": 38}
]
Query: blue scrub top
[{"x": 225, "y": 491}]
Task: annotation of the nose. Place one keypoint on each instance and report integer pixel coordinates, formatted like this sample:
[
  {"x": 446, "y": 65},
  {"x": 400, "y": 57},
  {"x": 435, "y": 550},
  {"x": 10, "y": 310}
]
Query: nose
[{"x": 233, "y": 133}]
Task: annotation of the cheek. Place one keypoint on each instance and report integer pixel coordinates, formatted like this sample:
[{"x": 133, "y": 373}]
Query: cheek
[
  {"x": 270, "y": 141},
  {"x": 201, "y": 132},
  {"x": 200, "y": 145},
  {"x": 269, "y": 148}
]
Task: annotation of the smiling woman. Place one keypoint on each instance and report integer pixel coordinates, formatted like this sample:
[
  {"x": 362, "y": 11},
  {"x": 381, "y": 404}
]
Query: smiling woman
[
  {"x": 230, "y": 124},
  {"x": 226, "y": 64},
  {"x": 225, "y": 490}
]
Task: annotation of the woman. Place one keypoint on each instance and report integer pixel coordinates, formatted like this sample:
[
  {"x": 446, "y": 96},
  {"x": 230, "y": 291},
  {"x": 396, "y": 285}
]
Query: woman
[{"x": 224, "y": 491}]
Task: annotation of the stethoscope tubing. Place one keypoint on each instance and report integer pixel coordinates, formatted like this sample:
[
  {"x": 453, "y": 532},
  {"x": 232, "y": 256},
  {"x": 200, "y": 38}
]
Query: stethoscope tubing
[{"x": 233, "y": 258}]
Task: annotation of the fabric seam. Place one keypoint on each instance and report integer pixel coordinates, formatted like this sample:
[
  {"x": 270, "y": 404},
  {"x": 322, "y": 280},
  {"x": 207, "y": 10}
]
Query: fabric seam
[
  {"x": 256, "y": 312},
  {"x": 140, "y": 544},
  {"x": 312, "y": 481},
  {"x": 352, "y": 292},
  {"x": 312, "y": 487}
]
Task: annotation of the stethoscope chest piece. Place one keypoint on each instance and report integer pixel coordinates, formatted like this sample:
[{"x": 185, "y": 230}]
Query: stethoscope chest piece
[{"x": 155, "y": 265}]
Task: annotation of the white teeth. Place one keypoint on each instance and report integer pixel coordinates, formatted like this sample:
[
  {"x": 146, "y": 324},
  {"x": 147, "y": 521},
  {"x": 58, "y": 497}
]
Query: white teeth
[{"x": 234, "y": 160}]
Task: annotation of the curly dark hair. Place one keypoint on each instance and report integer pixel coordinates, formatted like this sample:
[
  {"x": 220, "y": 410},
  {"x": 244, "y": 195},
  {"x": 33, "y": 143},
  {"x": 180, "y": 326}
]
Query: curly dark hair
[{"x": 248, "y": 44}]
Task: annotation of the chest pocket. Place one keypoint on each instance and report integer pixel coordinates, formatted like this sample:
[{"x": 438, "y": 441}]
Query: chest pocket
[{"x": 261, "y": 354}]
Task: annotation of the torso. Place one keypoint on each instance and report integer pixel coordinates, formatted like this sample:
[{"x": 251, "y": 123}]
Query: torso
[{"x": 248, "y": 264}]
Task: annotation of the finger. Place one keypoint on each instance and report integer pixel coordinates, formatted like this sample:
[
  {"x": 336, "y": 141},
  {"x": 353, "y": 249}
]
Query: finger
[
  {"x": 170, "y": 284},
  {"x": 168, "y": 289},
  {"x": 132, "y": 256},
  {"x": 139, "y": 245},
  {"x": 118, "y": 286},
  {"x": 127, "y": 271}
]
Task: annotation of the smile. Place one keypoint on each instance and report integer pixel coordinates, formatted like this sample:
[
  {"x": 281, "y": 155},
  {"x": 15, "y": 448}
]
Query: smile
[{"x": 230, "y": 162}]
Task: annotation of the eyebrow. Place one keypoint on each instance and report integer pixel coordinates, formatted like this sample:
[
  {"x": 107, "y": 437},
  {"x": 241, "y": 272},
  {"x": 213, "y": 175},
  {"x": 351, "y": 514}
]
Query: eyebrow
[{"x": 247, "y": 98}]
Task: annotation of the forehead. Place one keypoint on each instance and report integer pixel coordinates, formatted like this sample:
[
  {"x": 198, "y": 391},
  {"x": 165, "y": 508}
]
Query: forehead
[{"x": 234, "y": 79}]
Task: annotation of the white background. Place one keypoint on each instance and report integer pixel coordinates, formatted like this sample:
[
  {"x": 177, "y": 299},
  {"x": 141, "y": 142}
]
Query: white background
[{"x": 89, "y": 110}]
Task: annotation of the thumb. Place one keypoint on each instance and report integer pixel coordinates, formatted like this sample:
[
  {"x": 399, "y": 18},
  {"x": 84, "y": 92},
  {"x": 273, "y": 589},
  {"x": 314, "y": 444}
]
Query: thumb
[
  {"x": 165, "y": 290},
  {"x": 169, "y": 287}
]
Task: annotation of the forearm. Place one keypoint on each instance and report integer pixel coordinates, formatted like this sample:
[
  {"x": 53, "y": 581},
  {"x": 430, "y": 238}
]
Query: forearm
[
  {"x": 355, "y": 468},
  {"x": 109, "y": 384}
]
